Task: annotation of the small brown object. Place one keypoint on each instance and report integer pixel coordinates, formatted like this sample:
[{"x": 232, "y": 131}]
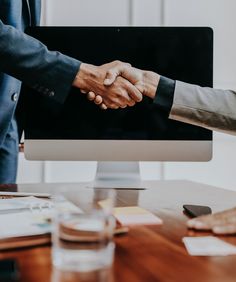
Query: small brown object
[{"x": 121, "y": 230}]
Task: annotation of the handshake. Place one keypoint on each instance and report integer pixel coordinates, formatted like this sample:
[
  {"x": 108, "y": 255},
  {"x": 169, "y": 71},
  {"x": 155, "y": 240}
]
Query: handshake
[{"x": 116, "y": 84}]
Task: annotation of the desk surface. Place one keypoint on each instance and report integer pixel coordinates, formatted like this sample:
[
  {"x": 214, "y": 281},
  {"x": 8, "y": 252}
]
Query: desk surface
[{"x": 146, "y": 253}]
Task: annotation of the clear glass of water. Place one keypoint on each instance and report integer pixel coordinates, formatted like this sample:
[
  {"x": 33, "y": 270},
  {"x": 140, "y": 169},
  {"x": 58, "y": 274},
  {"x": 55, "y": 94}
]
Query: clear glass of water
[{"x": 83, "y": 226}]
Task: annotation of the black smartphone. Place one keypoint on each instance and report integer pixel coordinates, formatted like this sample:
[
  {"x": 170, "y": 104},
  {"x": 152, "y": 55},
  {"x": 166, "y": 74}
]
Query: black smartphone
[
  {"x": 9, "y": 271},
  {"x": 196, "y": 210}
]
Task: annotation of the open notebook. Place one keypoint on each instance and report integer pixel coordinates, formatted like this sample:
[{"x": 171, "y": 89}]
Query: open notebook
[{"x": 24, "y": 222}]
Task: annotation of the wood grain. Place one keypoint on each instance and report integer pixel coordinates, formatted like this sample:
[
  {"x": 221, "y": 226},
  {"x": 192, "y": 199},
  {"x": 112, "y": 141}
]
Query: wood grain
[{"x": 146, "y": 253}]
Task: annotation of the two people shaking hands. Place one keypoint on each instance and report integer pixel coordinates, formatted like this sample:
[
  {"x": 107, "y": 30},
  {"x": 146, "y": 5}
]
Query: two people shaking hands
[
  {"x": 113, "y": 85},
  {"x": 116, "y": 84},
  {"x": 122, "y": 85}
]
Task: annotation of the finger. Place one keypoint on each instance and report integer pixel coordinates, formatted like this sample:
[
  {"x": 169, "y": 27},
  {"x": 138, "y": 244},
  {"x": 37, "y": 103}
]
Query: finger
[
  {"x": 134, "y": 93},
  {"x": 111, "y": 76},
  {"x": 98, "y": 100},
  {"x": 115, "y": 71},
  {"x": 91, "y": 96},
  {"x": 103, "y": 106},
  {"x": 121, "y": 97},
  {"x": 113, "y": 106},
  {"x": 83, "y": 91},
  {"x": 227, "y": 215},
  {"x": 208, "y": 223},
  {"x": 128, "y": 65},
  {"x": 204, "y": 221},
  {"x": 223, "y": 218},
  {"x": 119, "y": 102},
  {"x": 227, "y": 229},
  {"x": 131, "y": 103},
  {"x": 200, "y": 223},
  {"x": 197, "y": 224}
]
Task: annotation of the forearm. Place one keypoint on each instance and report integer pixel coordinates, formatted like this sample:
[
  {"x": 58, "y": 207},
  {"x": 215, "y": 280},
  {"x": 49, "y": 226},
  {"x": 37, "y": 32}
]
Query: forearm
[
  {"x": 30, "y": 61},
  {"x": 201, "y": 106},
  {"x": 206, "y": 107}
]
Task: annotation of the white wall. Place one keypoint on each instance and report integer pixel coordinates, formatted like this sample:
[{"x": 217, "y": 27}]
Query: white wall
[{"x": 215, "y": 13}]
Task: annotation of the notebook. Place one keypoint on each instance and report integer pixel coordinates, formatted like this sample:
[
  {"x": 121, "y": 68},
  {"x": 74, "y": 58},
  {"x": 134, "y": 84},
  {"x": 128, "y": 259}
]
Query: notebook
[{"x": 24, "y": 222}]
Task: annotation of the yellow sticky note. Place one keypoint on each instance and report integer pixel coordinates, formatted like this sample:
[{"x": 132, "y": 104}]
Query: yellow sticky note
[
  {"x": 135, "y": 216},
  {"x": 130, "y": 210}
]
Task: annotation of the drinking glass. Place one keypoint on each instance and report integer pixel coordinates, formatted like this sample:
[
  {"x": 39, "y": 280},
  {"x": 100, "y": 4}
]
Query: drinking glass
[{"x": 83, "y": 226}]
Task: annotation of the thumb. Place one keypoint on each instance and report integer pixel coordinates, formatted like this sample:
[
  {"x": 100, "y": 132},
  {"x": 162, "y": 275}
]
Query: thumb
[{"x": 111, "y": 76}]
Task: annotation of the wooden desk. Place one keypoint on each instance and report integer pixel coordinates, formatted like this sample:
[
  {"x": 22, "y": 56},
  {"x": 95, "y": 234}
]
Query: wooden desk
[{"x": 146, "y": 253}]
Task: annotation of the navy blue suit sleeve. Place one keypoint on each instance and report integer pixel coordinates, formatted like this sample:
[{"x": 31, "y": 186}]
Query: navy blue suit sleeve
[
  {"x": 165, "y": 93},
  {"x": 28, "y": 60}
]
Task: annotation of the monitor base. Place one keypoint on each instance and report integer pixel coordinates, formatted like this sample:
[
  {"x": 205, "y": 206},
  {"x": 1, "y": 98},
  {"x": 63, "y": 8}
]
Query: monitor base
[{"x": 118, "y": 175}]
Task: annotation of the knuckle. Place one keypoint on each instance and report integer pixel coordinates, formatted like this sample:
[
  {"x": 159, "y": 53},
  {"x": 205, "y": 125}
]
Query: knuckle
[
  {"x": 117, "y": 102},
  {"x": 110, "y": 72},
  {"x": 90, "y": 99},
  {"x": 140, "y": 98},
  {"x": 98, "y": 99},
  {"x": 123, "y": 93},
  {"x": 103, "y": 106},
  {"x": 132, "y": 103},
  {"x": 117, "y": 62},
  {"x": 137, "y": 97}
]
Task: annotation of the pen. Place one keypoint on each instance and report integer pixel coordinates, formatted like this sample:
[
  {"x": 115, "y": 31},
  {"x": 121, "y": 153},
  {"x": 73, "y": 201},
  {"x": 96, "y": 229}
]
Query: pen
[
  {"x": 24, "y": 194},
  {"x": 121, "y": 230},
  {"x": 118, "y": 188},
  {"x": 130, "y": 189}
]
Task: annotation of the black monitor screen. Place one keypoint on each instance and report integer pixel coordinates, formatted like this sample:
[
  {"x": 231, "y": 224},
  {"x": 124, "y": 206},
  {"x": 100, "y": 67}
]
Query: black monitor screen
[{"x": 180, "y": 53}]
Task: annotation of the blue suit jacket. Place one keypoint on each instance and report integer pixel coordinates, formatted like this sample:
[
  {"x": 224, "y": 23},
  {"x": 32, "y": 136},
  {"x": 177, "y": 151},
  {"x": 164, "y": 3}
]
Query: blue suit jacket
[{"x": 23, "y": 58}]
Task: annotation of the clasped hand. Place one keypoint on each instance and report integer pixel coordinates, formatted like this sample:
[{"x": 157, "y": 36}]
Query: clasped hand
[{"x": 116, "y": 84}]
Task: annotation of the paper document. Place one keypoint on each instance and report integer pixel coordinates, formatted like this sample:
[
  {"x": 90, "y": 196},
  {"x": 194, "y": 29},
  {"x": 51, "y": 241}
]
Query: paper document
[
  {"x": 22, "y": 203},
  {"x": 208, "y": 246},
  {"x": 23, "y": 224},
  {"x": 27, "y": 216}
]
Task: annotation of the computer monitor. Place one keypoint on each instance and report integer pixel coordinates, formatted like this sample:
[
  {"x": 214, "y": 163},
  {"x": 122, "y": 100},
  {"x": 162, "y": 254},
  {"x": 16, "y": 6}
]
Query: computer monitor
[{"x": 79, "y": 130}]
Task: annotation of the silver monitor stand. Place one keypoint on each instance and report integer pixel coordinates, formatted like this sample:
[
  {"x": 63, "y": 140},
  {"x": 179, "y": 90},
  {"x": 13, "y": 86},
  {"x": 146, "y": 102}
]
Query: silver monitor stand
[{"x": 118, "y": 175}]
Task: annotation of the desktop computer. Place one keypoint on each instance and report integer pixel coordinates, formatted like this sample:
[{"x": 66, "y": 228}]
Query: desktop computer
[{"x": 79, "y": 130}]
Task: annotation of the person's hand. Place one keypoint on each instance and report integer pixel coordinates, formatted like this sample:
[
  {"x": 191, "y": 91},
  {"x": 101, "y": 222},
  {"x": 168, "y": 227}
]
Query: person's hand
[
  {"x": 145, "y": 81},
  {"x": 120, "y": 94},
  {"x": 219, "y": 223}
]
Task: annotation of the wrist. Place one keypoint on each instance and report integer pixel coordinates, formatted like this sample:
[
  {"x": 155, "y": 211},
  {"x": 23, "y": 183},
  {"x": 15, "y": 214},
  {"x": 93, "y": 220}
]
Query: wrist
[
  {"x": 151, "y": 81},
  {"x": 84, "y": 75}
]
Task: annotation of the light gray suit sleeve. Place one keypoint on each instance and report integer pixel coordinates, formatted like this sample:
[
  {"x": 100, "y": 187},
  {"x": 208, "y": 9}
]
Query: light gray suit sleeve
[{"x": 206, "y": 107}]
